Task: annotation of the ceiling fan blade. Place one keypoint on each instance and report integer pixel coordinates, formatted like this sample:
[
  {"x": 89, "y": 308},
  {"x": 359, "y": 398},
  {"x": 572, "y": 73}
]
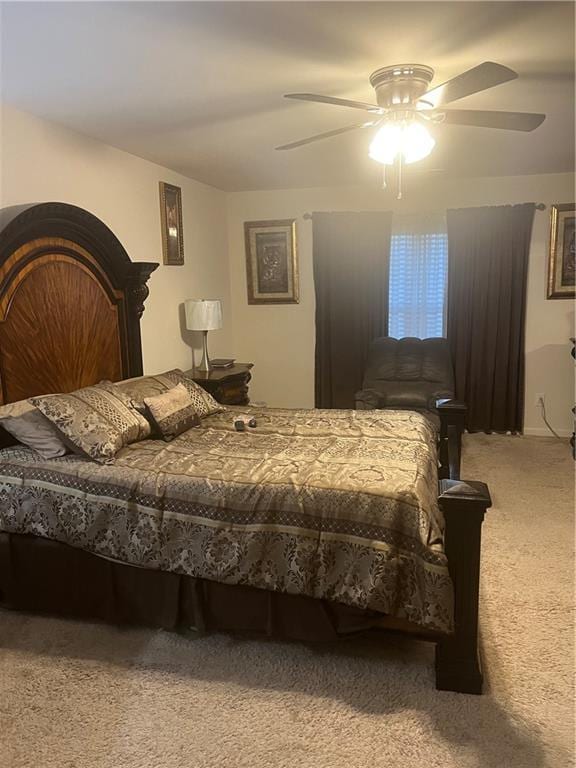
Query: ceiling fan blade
[
  {"x": 479, "y": 78},
  {"x": 338, "y": 102},
  {"x": 511, "y": 121},
  {"x": 325, "y": 135}
]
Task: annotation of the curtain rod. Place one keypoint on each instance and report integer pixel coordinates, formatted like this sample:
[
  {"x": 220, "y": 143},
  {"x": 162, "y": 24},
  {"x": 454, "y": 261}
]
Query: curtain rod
[{"x": 538, "y": 206}]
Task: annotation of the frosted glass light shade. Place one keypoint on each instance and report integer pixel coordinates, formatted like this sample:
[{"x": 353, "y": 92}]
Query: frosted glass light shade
[
  {"x": 203, "y": 314},
  {"x": 410, "y": 139}
]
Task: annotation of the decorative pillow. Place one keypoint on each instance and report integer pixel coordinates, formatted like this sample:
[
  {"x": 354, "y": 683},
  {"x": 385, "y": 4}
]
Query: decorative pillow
[
  {"x": 27, "y": 424},
  {"x": 147, "y": 386},
  {"x": 97, "y": 420},
  {"x": 172, "y": 412},
  {"x": 144, "y": 386},
  {"x": 204, "y": 403}
]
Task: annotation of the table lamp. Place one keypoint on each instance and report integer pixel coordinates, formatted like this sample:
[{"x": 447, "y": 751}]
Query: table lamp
[{"x": 203, "y": 315}]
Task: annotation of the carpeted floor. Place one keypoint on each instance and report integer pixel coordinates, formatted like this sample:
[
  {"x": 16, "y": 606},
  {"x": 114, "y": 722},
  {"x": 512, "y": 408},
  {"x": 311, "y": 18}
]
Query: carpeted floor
[{"x": 77, "y": 695}]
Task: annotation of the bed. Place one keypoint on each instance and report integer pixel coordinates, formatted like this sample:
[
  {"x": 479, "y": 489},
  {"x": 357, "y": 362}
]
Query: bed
[{"x": 314, "y": 525}]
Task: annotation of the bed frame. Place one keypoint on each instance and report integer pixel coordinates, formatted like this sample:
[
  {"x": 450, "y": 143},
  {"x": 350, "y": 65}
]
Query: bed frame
[{"x": 70, "y": 306}]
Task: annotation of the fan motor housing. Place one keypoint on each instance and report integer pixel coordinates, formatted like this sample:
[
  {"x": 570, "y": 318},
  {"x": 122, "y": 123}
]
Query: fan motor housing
[{"x": 400, "y": 84}]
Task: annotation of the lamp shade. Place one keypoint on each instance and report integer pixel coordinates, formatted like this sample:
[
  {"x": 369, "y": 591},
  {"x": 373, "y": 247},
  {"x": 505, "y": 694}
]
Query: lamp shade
[{"x": 203, "y": 314}]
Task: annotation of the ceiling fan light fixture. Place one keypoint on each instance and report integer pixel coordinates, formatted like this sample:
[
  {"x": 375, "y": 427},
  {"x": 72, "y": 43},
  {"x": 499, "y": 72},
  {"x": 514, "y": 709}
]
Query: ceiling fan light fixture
[{"x": 410, "y": 139}]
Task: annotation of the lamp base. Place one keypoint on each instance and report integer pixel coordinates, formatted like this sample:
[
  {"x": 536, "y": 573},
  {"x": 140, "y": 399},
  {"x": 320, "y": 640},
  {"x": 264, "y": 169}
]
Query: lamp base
[{"x": 205, "y": 362}]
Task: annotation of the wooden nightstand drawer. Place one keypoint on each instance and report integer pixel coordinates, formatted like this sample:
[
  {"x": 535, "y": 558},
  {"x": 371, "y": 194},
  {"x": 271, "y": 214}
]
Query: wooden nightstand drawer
[{"x": 228, "y": 386}]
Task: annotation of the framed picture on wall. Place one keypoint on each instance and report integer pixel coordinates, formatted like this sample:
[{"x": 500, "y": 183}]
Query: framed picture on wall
[
  {"x": 271, "y": 262},
  {"x": 171, "y": 221},
  {"x": 562, "y": 257}
]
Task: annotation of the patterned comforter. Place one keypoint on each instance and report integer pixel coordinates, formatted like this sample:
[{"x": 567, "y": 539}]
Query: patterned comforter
[{"x": 339, "y": 505}]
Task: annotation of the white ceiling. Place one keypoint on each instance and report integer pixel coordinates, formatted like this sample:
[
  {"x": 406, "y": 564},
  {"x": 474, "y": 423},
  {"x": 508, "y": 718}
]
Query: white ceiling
[{"x": 197, "y": 86}]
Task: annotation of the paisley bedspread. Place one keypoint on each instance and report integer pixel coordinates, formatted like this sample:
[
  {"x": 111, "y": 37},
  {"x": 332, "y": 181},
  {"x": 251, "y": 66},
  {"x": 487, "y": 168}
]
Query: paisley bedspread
[{"x": 339, "y": 505}]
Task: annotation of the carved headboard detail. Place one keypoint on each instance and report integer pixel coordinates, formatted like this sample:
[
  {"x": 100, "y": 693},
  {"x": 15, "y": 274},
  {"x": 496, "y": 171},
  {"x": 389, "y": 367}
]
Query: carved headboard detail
[{"x": 70, "y": 303}]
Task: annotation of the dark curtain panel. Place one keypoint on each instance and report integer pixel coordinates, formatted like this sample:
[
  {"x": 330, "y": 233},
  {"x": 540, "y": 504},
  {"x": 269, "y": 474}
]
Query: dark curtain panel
[
  {"x": 351, "y": 258},
  {"x": 488, "y": 265}
]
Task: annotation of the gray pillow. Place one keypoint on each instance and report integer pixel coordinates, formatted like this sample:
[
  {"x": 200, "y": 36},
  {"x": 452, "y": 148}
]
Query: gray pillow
[{"x": 28, "y": 426}]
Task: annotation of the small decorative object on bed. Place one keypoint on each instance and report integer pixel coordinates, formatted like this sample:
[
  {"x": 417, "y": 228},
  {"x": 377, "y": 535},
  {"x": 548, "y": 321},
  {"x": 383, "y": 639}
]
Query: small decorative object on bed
[
  {"x": 562, "y": 257},
  {"x": 172, "y": 228},
  {"x": 203, "y": 315},
  {"x": 271, "y": 262}
]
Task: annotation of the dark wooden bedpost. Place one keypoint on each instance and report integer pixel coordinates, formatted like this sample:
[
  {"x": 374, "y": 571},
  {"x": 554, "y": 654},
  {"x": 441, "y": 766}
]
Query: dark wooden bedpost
[
  {"x": 452, "y": 423},
  {"x": 464, "y": 504},
  {"x": 137, "y": 293}
]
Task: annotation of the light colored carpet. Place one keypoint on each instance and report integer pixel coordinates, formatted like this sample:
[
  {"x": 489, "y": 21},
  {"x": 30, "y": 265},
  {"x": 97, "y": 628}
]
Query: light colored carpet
[{"x": 88, "y": 696}]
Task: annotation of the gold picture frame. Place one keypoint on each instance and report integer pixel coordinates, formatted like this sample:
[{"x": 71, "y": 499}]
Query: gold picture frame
[
  {"x": 272, "y": 262},
  {"x": 171, "y": 222},
  {"x": 562, "y": 256}
]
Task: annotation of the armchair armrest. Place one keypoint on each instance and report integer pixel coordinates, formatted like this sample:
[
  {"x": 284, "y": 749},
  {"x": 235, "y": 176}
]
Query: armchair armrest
[
  {"x": 447, "y": 405},
  {"x": 368, "y": 399},
  {"x": 452, "y": 423}
]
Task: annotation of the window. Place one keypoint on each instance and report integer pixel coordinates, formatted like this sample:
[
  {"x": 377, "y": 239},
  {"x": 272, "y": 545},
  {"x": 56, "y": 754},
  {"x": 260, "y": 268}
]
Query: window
[{"x": 418, "y": 277}]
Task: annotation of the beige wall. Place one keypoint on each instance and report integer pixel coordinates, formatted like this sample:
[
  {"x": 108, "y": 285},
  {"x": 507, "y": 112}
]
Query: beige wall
[
  {"x": 280, "y": 339},
  {"x": 42, "y": 162}
]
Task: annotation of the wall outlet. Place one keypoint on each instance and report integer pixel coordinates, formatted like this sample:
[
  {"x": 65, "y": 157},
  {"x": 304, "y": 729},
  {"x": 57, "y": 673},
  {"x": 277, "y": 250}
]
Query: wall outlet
[{"x": 539, "y": 399}]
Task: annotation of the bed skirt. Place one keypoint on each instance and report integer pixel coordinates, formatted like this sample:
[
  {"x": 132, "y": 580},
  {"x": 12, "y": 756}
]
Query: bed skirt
[{"x": 44, "y": 576}]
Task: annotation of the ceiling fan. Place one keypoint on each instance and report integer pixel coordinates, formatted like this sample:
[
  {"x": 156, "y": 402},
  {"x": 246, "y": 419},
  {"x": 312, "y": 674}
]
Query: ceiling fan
[{"x": 405, "y": 108}]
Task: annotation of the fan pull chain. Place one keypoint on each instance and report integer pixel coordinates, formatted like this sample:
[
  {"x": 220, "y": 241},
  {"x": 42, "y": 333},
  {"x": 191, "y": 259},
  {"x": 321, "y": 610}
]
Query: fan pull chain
[
  {"x": 399, "y": 195},
  {"x": 384, "y": 184}
]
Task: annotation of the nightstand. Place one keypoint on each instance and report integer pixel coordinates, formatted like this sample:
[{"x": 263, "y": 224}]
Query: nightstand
[{"x": 228, "y": 386}]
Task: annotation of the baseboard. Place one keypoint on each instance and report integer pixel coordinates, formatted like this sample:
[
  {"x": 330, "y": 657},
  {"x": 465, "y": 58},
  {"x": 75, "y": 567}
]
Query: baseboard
[{"x": 544, "y": 432}]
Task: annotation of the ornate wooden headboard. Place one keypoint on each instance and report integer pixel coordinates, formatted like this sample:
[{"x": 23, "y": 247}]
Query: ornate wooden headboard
[{"x": 70, "y": 303}]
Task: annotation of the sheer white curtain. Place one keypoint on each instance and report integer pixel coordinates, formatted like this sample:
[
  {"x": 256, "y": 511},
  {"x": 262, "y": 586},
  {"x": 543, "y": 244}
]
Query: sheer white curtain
[{"x": 418, "y": 276}]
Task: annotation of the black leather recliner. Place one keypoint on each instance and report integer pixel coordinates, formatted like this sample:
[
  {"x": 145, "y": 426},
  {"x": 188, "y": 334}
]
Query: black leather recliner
[{"x": 407, "y": 374}]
